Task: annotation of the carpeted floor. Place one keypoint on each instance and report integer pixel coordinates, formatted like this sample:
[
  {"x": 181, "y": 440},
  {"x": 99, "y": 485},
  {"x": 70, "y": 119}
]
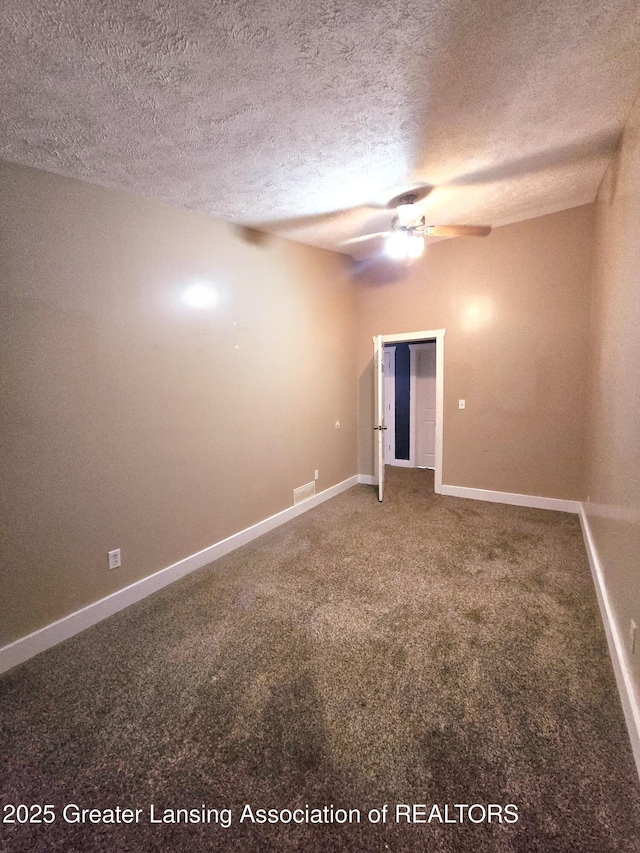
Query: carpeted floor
[{"x": 425, "y": 652}]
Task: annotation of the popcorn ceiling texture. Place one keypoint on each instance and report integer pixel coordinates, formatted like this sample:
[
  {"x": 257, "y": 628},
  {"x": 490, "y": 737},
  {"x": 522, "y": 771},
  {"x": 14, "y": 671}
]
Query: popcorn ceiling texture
[{"x": 276, "y": 114}]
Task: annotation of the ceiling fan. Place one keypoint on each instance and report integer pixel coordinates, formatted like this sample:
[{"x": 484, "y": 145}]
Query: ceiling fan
[{"x": 405, "y": 240}]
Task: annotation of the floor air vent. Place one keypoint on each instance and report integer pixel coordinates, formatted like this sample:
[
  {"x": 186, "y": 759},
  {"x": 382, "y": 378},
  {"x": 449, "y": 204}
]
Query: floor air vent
[{"x": 304, "y": 492}]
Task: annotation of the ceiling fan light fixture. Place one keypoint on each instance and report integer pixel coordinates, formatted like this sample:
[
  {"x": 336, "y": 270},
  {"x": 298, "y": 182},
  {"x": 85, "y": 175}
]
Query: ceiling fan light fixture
[
  {"x": 395, "y": 245},
  {"x": 416, "y": 245},
  {"x": 404, "y": 246}
]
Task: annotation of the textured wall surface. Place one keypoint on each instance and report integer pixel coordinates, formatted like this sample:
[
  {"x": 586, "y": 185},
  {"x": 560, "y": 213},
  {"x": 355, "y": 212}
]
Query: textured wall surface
[
  {"x": 515, "y": 307},
  {"x": 274, "y": 113},
  {"x": 614, "y": 448},
  {"x": 129, "y": 419}
]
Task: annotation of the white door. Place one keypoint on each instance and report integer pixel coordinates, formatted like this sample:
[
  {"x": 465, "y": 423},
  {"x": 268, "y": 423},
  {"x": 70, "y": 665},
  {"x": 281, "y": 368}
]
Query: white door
[
  {"x": 379, "y": 427},
  {"x": 425, "y": 403}
]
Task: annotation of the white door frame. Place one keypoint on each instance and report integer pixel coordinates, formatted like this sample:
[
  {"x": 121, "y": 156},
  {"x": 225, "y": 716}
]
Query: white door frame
[{"x": 436, "y": 335}]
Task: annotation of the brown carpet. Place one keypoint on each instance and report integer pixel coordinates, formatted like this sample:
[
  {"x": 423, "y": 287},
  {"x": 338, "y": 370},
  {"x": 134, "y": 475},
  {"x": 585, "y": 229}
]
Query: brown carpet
[{"x": 430, "y": 651}]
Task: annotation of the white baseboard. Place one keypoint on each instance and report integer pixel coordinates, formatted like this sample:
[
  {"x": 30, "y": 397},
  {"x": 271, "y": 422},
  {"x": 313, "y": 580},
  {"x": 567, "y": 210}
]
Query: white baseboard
[
  {"x": 617, "y": 651},
  {"x": 511, "y": 498},
  {"x": 367, "y": 480},
  {"x": 44, "y": 638}
]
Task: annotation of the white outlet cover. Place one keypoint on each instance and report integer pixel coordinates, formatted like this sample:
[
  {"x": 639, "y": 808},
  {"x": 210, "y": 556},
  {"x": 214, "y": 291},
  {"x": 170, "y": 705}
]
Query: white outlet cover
[
  {"x": 461, "y": 404},
  {"x": 114, "y": 559}
]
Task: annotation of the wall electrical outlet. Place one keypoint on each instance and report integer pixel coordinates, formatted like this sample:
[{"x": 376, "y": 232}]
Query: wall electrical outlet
[
  {"x": 114, "y": 559},
  {"x": 632, "y": 636},
  {"x": 461, "y": 404},
  {"x": 316, "y": 474}
]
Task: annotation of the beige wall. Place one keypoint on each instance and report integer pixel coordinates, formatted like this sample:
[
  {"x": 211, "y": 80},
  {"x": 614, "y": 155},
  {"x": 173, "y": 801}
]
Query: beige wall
[
  {"x": 130, "y": 420},
  {"x": 613, "y": 481},
  {"x": 515, "y": 306}
]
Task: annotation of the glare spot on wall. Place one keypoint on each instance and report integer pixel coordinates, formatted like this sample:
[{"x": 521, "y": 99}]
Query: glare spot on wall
[
  {"x": 477, "y": 313},
  {"x": 200, "y": 294}
]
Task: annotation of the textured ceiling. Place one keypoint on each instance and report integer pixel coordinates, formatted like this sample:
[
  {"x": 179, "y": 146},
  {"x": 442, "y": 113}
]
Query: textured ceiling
[{"x": 294, "y": 116}]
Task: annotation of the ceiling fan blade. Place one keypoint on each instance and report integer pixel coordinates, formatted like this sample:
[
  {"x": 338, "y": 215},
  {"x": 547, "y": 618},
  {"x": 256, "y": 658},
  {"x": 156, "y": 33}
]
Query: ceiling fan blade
[
  {"x": 352, "y": 240},
  {"x": 308, "y": 221},
  {"x": 455, "y": 230}
]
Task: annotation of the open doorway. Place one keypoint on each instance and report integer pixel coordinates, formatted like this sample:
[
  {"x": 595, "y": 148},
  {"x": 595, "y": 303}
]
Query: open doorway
[
  {"x": 410, "y": 402},
  {"x": 384, "y": 411}
]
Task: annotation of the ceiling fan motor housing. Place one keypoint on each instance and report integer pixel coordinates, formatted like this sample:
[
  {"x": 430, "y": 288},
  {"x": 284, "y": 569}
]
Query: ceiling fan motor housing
[
  {"x": 408, "y": 214},
  {"x": 407, "y": 221}
]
